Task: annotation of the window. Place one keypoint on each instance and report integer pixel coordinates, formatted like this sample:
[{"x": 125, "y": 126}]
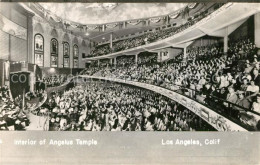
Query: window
[
  {"x": 66, "y": 55},
  {"x": 54, "y": 53},
  {"x": 38, "y": 49},
  {"x": 75, "y": 56}
]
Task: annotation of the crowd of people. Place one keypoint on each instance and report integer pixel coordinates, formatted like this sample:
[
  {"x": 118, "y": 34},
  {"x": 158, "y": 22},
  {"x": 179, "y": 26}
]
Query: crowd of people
[
  {"x": 103, "y": 106},
  {"x": 54, "y": 80},
  {"x": 125, "y": 60},
  {"x": 11, "y": 116},
  {"x": 200, "y": 52},
  {"x": 32, "y": 95},
  {"x": 229, "y": 83},
  {"x": 146, "y": 38}
]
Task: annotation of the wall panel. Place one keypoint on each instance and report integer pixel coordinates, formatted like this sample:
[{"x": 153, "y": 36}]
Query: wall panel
[
  {"x": 4, "y": 45},
  {"x": 18, "y": 49},
  {"x": 19, "y": 18}
]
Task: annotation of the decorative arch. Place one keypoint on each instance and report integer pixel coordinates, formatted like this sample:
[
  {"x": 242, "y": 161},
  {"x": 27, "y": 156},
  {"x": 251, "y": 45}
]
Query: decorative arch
[
  {"x": 75, "y": 56},
  {"x": 54, "y": 33},
  {"x": 83, "y": 43},
  {"x": 54, "y": 52},
  {"x": 38, "y": 28},
  {"x": 75, "y": 40},
  {"x": 66, "y": 37},
  {"x": 39, "y": 49},
  {"x": 66, "y": 55}
]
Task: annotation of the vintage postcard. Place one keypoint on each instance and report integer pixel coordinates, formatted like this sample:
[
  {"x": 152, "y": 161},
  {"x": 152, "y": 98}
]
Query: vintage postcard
[{"x": 129, "y": 82}]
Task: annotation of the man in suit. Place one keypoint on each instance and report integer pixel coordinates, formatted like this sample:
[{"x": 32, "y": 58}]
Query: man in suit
[
  {"x": 231, "y": 98},
  {"x": 242, "y": 101},
  {"x": 256, "y": 77}
]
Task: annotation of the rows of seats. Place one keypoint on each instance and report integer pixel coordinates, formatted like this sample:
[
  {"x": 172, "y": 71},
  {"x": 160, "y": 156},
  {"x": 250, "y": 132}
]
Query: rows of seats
[
  {"x": 54, "y": 80},
  {"x": 229, "y": 83},
  {"x": 100, "y": 106},
  {"x": 11, "y": 116},
  {"x": 146, "y": 38}
]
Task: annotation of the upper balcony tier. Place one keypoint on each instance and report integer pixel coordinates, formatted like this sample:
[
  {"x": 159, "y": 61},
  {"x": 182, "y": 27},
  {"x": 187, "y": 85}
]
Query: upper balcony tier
[{"x": 219, "y": 23}]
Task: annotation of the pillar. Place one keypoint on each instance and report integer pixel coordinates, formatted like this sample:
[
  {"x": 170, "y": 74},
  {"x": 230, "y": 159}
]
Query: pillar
[
  {"x": 257, "y": 29},
  {"x": 159, "y": 56},
  {"x": 167, "y": 20},
  {"x": 111, "y": 40},
  {"x": 226, "y": 41},
  {"x": 115, "y": 61},
  {"x": 184, "y": 53},
  {"x": 111, "y": 61},
  {"x": 136, "y": 59},
  {"x": 98, "y": 63},
  {"x": 30, "y": 58},
  {"x": 103, "y": 28},
  {"x": 6, "y": 73},
  {"x": 147, "y": 22}
]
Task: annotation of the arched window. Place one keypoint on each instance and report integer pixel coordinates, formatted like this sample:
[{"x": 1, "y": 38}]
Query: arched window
[
  {"x": 38, "y": 49},
  {"x": 75, "y": 56},
  {"x": 54, "y": 53},
  {"x": 66, "y": 55}
]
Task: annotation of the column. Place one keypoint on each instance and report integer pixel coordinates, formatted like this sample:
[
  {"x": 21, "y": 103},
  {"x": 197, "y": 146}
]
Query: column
[
  {"x": 103, "y": 28},
  {"x": 98, "y": 63},
  {"x": 136, "y": 59},
  {"x": 30, "y": 58},
  {"x": 184, "y": 53},
  {"x": 6, "y": 73},
  {"x": 257, "y": 29},
  {"x": 111, "y": 61},
  {"x": 111, "y": 40},
  {"x": 147, "y": 22},
  {"x": 115, "y": 61},
  {"x": 226, "y": 41},
  {"x": 167, "y": 20}
]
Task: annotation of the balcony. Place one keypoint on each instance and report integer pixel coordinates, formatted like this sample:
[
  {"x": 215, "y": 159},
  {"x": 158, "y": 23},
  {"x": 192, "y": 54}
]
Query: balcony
[{"x": 221, "y": 22}]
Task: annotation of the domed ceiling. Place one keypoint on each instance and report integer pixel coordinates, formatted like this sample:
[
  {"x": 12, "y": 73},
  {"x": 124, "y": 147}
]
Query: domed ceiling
[{"x": 100, "y": 13}]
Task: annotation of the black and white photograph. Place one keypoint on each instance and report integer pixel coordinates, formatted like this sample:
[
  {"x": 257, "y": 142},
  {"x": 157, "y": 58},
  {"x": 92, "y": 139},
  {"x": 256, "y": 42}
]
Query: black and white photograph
[{"x": 142, "y": 70}]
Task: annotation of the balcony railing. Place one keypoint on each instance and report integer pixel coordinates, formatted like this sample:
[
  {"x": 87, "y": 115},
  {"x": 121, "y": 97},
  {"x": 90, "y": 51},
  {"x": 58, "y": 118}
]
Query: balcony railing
[
  {"x": 239, "y": 115},
  {"x": 153, "y": 36}
]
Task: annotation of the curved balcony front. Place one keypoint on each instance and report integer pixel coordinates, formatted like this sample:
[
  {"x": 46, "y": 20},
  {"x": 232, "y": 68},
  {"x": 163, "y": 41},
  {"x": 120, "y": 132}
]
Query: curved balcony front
[
  {"x": 220, "y": 23},
  {"x": 212, "y": 116}
]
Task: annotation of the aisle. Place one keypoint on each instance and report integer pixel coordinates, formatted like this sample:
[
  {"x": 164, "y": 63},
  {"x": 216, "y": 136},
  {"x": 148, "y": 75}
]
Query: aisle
[{"x": 38, "y": 123}]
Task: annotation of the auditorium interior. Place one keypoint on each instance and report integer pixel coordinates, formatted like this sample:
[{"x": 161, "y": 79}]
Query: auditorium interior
[{"x": 129, "y": 66}]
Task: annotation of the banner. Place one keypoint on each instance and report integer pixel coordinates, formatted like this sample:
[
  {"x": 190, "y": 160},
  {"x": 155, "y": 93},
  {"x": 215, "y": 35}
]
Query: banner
[
  {"x": 134, "y": 22},
  {"x": 192, "y": 5},
  {"x": 174, "y": 15},
  {"x": 110, "y": 26},
  {"x": 155, "y": 20},
  {"x": 91, "y": 27}
]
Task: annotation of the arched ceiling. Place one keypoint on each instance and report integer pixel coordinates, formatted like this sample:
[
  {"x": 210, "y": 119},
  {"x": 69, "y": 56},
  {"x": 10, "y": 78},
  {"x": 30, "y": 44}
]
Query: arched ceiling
[{"x": 100, "y": 13}]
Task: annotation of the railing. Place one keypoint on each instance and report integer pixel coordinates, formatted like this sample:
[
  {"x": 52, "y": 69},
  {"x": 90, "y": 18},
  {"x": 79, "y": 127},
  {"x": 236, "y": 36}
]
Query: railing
[
  {"x": 168, "y": 34},
  {"x": 238, "y": 114},
  {"x": 33, "y": 108},
  {"x": 242, "y": 116}
]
